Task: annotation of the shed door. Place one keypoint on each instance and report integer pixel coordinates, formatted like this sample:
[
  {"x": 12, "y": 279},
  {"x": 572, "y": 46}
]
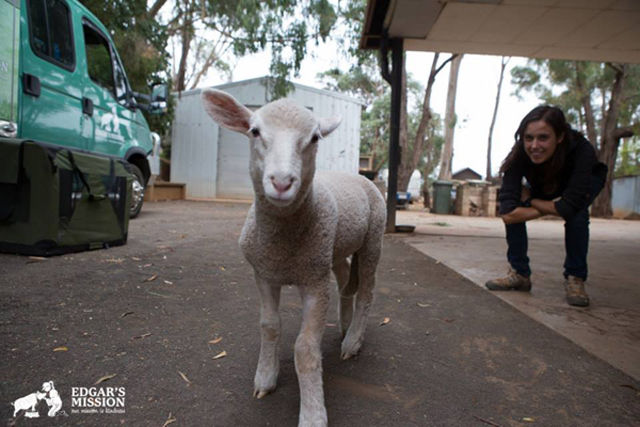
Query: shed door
[{"x": 233, "y": 179}]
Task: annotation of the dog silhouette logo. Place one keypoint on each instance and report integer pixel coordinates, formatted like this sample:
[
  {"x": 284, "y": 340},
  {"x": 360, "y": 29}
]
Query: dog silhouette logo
[{"x": 29, "y": 403}]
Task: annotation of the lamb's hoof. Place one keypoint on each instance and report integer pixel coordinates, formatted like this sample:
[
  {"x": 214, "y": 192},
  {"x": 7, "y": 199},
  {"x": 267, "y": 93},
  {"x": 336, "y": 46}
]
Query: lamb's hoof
[
  {"x": 259, "y": 394},
  {"x": 350, "y": 348},
  {"x": 264, "y": 382}
]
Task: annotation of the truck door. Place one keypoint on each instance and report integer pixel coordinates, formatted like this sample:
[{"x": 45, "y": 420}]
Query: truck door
[
  {"x": 108, "y": 91},
  {"x": 9, "y": 53},
  {"x": 51, "y": 97}
]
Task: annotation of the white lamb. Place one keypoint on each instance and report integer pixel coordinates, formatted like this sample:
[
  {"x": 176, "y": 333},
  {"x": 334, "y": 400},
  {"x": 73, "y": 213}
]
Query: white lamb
[{"x": 297, "y": 231}]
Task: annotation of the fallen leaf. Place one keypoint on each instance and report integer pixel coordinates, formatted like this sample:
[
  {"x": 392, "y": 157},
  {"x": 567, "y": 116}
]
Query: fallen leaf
[
  {"x": 105, "y": 378},
  {"x": 170, "y": 419},
  {"x": 448, "y": 320},
  {"x": 423, "y": 305},
  {"x": 215, "y": 341},
  {"x": 142, "y": 336},
  {"x": 152, "y": 278},
  {"x": 222, "y": 268},
  {"x": 331, "y": 325},
  {"x": 161, "y": 295},
  {"x": 37, "y": 258},
  {"x": 63, "y": 348},
  {"x": 184, "y": 377},
  {"x": 385, "y": 321},
  {"x": 115, "y": 260},
  {"x": 528, "y": 419},
  {"x": 220, "y": 355},
  {"x": 135, "y": 258},
  {"x": 126, "y": 314},
  {"x": 147, "y": 265},
  {"x": 168, "y": 282}
]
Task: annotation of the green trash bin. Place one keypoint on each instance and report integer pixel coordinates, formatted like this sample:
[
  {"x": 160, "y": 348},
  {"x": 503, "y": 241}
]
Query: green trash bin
[{"x": 442, "y": 197}]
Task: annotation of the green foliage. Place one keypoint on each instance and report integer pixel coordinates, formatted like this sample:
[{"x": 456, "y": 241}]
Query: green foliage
[
  {"x": 567, "y": 83},
  {"x": 249, "y": 26},
  {"x": 364, "y": 83},
  {"x": 628, "y": 158}
]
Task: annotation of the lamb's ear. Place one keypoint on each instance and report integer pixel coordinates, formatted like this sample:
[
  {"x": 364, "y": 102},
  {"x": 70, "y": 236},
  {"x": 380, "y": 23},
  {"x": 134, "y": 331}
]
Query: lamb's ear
[
  {"x": 225, "y": 110},
  {"x": 328, "y": 124}
]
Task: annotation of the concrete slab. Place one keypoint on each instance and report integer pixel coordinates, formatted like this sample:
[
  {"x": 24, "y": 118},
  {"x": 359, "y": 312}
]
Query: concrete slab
[{"x": 476, "y": 248}]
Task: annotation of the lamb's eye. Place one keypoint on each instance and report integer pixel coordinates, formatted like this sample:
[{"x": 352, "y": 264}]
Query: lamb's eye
[
  {"x": 314, "y": 139},
  {"x": 255, "y": 132}
]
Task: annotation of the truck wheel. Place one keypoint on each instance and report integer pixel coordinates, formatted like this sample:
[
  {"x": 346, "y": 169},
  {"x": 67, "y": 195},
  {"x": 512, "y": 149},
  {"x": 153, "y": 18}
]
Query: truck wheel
[{"x": 137, "y": 191}]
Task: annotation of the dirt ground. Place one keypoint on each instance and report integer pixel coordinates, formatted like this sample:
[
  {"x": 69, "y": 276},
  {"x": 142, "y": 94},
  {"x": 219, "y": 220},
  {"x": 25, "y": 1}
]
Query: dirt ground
[{"x": 154, "y": 317}]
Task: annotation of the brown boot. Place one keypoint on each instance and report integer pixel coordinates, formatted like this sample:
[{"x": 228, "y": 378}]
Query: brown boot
[
  {"x": 513, "y": 282},
  {"x": 575, "y": 293}
]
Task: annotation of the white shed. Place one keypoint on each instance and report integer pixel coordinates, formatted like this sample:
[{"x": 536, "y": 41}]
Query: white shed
[{"x": 214, "y": 162}]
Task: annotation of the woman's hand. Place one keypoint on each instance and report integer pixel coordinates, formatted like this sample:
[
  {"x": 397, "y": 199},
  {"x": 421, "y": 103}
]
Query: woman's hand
[
  {"x": 521, "y": 214},
  {"x": 546, "y": 207}
]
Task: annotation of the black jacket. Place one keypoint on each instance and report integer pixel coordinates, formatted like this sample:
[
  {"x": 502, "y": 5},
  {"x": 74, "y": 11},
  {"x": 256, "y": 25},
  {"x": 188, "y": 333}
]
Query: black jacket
[{"x": 574, "y": 184}]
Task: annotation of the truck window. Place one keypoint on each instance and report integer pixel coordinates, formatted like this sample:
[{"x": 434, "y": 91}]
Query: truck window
[
  {"x": 103, "y": 65},
  {"x": 98, "y": 58},
  {"x": 50, "y": 32},
  {"x": 121, "y": 83}
]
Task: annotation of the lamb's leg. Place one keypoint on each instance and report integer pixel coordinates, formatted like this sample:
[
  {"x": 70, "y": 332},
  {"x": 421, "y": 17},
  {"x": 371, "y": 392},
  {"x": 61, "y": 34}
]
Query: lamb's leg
[
  {"x": 308, "y": 358},
  {"x": 366, "y": 268},
  {"x": 268, "y": 363},
  {"x": 346, "y": 290}
]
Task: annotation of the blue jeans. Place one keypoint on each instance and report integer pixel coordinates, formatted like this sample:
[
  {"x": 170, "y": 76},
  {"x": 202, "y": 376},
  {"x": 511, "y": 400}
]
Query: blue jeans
[
  {"x": 576, "y": 244},
  {"x": 576, "y": 241}
]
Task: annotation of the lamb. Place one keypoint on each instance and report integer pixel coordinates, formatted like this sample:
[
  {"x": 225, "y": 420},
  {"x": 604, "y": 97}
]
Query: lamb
[
  {"x": 27, "y": 403},
  {"x": 302, "y": 226}
]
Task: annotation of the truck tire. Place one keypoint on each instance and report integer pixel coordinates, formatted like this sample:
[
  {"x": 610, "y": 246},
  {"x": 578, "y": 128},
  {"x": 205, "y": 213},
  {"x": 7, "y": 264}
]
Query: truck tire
[{"x": 137, "y": 191}]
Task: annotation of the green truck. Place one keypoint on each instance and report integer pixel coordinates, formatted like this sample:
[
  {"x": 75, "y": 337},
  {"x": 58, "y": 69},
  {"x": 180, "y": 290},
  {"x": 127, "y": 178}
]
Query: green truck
[{"x": 62, "y": 82}]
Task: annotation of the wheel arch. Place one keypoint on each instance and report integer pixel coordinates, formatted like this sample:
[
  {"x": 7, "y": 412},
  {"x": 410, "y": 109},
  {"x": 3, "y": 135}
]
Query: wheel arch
[{"x": 138, "y": 157}]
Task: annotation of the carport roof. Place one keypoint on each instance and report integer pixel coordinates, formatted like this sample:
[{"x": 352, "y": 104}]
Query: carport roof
[{"x": 592, "y": 30}]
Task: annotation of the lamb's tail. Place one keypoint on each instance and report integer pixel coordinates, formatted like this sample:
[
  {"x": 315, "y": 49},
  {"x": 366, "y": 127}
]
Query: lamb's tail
[{"x": 354, "y": 278}]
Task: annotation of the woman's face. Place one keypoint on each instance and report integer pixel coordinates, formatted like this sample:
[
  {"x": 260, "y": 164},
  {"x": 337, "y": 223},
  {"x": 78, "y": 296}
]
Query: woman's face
[{"x": 540, "y": 141}]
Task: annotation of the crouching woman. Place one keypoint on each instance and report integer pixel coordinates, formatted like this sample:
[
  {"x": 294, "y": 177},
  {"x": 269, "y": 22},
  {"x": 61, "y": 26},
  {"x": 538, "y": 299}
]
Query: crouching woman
[{"x": 561, "y": 177}]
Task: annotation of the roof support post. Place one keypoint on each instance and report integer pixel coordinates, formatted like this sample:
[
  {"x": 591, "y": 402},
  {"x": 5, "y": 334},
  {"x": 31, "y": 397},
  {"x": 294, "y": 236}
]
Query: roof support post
[{"x": 397, "y": 51}]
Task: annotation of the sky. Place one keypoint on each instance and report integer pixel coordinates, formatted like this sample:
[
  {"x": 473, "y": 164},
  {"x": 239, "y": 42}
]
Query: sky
[{"x": 477, "y": 86}]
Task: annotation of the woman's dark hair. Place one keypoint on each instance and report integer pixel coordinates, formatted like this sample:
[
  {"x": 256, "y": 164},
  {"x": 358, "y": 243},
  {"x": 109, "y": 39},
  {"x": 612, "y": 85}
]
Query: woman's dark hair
[{"x": 554, "y": 117}]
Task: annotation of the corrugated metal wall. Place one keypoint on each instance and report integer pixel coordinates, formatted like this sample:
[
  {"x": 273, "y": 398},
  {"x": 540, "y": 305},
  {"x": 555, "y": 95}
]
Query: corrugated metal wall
[
  {"x": 625, "y": 196},
  {"x": 214, "y": 162},
  {"x": 194, "y": 147}
]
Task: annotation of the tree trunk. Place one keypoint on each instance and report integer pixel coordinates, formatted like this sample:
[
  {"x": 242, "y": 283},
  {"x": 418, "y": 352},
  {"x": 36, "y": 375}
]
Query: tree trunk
[
  {"x": 409, "y": 163},
  {"x": 404, "y": 137},
  {"x": 186, "y": 38},
  {"x": 503, "y": 65},
  {"x": 450, "y": 120},
  {"x": 585, "y": 100},
  {"x": 609, "y": 142}
]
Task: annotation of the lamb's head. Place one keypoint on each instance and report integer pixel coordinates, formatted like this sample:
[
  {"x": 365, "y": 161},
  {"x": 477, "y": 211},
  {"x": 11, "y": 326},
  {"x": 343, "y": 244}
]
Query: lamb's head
[{"x": 283, "y": 139}]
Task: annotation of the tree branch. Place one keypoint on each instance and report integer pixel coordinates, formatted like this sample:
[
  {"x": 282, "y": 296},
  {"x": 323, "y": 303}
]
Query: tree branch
[
  {"x": 624, "y": 132},
  {"x": 451, "y": 58},
  {"x": 153, "y": 11}
]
